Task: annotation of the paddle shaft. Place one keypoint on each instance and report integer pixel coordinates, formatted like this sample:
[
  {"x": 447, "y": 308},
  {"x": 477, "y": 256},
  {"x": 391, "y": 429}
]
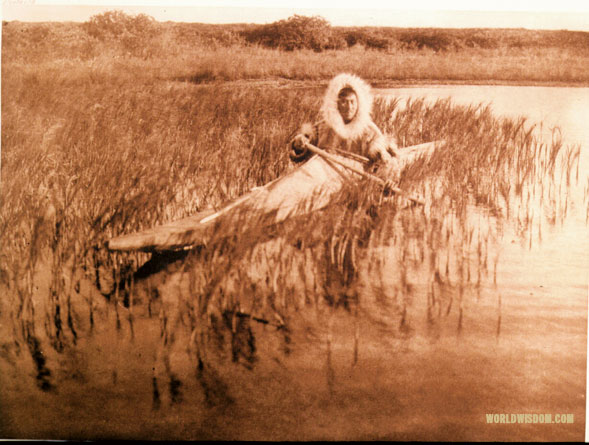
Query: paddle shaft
[{"x": 335, "y": 160}]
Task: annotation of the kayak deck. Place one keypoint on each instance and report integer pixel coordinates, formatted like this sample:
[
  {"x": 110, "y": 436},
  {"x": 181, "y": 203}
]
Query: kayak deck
[{"x": 307, "y": 188}]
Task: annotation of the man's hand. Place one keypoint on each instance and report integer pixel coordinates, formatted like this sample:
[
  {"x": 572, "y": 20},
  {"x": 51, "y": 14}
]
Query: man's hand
[
  {"x": 299, "y": 143},
  {"x": 391, "y": 173},
  {"x": 389, "y": 187},
  {"x": 298, "y": 146}
]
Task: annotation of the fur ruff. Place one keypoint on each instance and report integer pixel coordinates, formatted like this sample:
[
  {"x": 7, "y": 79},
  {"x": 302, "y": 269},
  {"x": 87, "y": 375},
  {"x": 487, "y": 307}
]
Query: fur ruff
[{"x": 332, "y": 116}]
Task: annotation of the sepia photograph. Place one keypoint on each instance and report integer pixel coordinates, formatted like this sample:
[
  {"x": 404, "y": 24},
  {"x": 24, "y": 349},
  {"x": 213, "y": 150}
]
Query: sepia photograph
[{"x": 294, "y": 221}]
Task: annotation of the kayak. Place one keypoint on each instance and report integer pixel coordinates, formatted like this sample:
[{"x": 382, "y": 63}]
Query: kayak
[{"x": 307, "y": 188}]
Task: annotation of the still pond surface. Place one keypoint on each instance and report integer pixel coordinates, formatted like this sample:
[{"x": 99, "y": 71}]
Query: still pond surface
[{"x": 544, "y": 285}]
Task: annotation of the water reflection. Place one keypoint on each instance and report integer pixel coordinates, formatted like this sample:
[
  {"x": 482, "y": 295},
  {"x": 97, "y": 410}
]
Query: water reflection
[{"x": 551, "y": 257}]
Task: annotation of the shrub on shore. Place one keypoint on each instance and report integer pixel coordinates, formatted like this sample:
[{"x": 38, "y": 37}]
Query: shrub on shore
[
  {"x": 135, "y": 35},
  {"x": 296, "y": 32}
]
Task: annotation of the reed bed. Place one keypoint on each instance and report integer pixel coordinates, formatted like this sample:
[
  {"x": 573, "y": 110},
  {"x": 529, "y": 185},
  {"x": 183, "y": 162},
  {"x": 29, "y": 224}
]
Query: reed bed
[{"x": 88, "y": 155}]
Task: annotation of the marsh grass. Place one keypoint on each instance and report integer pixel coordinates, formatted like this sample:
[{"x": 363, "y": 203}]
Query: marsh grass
[{"x": 88, "y": 155}]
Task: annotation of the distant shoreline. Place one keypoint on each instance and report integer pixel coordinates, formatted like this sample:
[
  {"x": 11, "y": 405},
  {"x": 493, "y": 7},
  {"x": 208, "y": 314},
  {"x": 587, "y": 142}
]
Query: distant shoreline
[
  {"x": 139, "y": 49},
  {"x": 386, "y": 84},
  {"x": 516, "y": 83}
]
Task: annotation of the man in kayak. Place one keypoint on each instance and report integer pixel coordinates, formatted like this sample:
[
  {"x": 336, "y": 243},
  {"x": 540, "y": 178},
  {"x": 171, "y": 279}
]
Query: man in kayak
[{"x": 346, "y": 125}]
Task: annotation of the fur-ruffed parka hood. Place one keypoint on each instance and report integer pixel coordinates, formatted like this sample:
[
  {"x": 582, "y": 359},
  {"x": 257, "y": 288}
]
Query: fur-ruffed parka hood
[{"x": 331, "y": 114}]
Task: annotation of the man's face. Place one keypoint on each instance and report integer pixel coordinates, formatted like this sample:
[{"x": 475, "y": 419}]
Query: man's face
[{"x": 347, "y": 105}]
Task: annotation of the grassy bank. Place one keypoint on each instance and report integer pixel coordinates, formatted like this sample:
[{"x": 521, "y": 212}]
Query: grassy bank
[{"x": 215, "y": 52}]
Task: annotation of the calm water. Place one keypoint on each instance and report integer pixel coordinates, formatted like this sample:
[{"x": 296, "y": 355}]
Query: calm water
[
  {"x": 565, "y": 108},
  {"x": 514, "y": 344},
  {"x": 544, "y": 284},
  {"x": 552, "y": 107}
]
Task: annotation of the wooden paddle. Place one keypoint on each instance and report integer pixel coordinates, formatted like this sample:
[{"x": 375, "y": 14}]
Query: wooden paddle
[{"x": 335, "y": 160}]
